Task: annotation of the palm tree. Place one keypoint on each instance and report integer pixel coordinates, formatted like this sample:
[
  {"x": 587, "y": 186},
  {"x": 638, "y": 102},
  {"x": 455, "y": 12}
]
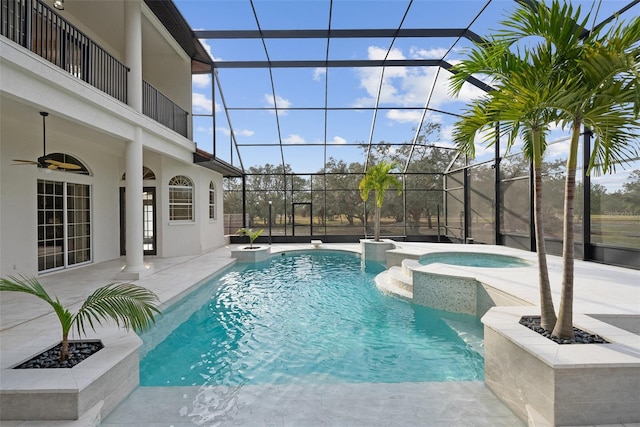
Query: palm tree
[
  {"x": 600, "y": 73},
  {"x": 591, "y": 80},
  {"x": 520, "y": 107},
  {"x": 378, "y": 178},
  {"x": 251, "y": 234},
  {"x": 130, "y": 306}
]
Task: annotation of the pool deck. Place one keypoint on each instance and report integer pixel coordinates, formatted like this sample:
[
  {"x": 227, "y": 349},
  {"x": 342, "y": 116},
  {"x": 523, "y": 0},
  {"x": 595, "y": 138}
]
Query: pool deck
[{"x": 27, "y": 324}]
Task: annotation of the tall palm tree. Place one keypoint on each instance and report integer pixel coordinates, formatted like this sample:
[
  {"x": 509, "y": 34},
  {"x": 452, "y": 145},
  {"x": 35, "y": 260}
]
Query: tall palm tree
[
  {"x": 130, "y": 306},
  {"x": 520, "y": 107},
  {"x": 378, "y": 178},
  {"x": 600, "y": 73}
]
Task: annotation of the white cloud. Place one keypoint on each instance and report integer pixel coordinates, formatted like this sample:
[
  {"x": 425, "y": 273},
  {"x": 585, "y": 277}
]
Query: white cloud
[
  {"x": 281, "y": 102},
  {"x": 337, "y": 140},
  {"x": 293, "y": 139},
  {"x": 318, "y": 73},
  {"x": 204, "y": 129},
  {"x": 408, "y": 86},
  {"x": 207, "y": 47},
  {"x": 201, "y": 104},
  {"x": 201, "y": 80},
  {"x": 418, "y": 53},
  {"x": 239, "y": 132},
  {"x": 405, "y": 116},
  {"x": 558, "y": 149},
  {"x": 245, "y": 132}
]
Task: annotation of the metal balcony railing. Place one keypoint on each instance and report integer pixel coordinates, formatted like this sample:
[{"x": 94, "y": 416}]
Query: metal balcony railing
[
  {"x": 163, "y": 110},
  {"x": 35, "y": 26}
]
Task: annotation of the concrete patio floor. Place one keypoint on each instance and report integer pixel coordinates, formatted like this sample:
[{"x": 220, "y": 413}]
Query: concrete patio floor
[{"x": 27, "y": 323}]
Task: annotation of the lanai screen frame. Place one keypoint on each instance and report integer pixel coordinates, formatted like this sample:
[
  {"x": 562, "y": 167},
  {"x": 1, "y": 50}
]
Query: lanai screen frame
[{"x": 587, "y": 249}]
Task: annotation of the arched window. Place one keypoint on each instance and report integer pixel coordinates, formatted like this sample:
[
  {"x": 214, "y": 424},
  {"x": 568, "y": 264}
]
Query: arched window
[
  {"x": 147, "y": 174},
  {"x": 57, "y": 161},
  {"x": 212, "y": 200},
  {"x": 180, "y": 199}
]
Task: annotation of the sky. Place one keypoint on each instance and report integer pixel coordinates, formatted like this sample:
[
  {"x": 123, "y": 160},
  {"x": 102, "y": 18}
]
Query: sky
[{"x": 351, "y": 92}]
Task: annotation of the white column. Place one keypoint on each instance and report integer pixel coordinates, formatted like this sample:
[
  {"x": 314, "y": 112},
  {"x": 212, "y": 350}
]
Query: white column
[
  {"x": 133, "y": 206},
  {"x": 133, "y": 52},
  {"x": 134, "y": 268}
]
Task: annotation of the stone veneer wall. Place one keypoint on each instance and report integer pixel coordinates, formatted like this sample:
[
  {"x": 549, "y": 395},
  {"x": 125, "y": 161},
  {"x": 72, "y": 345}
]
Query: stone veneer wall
[
  {"x": 443, "y": 292},
  {"x": 458, "y": 294},
  {"x": 577, "y": 384},
  {"x": 108, "y": 376}
]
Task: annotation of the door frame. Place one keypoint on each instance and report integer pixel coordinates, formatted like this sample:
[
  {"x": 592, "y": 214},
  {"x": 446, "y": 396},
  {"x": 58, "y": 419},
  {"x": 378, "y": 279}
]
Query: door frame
[
  {"x": 123, "y": 247},
  {"x": 293, "y": 217}
]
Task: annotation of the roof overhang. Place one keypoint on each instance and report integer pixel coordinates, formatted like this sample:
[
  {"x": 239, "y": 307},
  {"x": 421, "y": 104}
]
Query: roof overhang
[
  {"x": 174, "y": 22},
  {"x": 208, "y": 161}
]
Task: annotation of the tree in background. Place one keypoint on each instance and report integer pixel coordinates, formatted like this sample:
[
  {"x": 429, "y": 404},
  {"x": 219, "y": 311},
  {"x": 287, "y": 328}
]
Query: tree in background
[{"x": 343, "y": 197}]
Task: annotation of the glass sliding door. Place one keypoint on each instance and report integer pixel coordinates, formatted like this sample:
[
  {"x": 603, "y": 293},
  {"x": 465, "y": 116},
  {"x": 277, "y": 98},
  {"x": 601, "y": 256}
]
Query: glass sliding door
[{"x": 64, "y": 224}]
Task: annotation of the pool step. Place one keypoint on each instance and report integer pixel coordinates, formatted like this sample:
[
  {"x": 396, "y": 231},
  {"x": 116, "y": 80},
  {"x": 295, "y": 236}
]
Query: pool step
[
  {"x": 407, "y": 268},
  {"x": 398, "y": 278},
  {"x": 394, "y": 282}
]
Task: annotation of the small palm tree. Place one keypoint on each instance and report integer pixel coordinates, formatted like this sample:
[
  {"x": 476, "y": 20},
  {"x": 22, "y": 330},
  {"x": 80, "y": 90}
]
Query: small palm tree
[
  {"x": 130, "y": 306},
  {"x": 251, "y": 234},
  {"x": 378, "y": 178}
]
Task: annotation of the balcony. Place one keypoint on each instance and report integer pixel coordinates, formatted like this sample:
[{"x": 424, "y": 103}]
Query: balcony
[
  {"x": 163, "y": 110},
  {"x": 35, "y": 26}
]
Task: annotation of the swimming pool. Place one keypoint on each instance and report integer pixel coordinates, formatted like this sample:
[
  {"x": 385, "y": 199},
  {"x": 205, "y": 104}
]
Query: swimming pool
[
  {"x": 474, "y": 259},
  {"x": 306, "y": 317}
]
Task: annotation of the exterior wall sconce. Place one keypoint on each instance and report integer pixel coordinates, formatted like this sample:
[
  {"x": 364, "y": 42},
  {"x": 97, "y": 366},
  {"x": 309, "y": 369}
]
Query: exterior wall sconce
[{"x": 58, "y": 4}]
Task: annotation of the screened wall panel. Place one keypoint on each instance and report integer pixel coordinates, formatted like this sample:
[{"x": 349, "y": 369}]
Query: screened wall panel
[{"x": 482, "y": 200}]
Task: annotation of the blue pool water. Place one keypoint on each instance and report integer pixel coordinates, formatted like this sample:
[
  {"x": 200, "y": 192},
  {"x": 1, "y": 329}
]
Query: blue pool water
[
  {"x": 474, "y": 259},
  {"x": 306, "y": 317}
]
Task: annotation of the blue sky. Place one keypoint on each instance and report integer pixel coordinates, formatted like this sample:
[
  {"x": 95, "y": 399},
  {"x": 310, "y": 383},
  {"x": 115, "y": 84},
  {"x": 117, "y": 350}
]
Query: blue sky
[{"x": 303, "y": 132}]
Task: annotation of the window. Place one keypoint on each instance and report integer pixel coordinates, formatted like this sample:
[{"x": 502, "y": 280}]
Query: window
[
  {"x": 212, "y": 200},
  {"x": 64, "y": 224},
  {"x": 180, "y": 199},
  {"x": 147, "y": 174}
]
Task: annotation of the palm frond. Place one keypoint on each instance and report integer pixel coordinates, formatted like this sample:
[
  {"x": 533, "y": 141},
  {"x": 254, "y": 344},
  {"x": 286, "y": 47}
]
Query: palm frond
[
  {"x": 130, "y": 306},
  {"x": 378, "y": 179},
  {"x": 32, "y": 286},
  {"x": 25, "y": 284}
]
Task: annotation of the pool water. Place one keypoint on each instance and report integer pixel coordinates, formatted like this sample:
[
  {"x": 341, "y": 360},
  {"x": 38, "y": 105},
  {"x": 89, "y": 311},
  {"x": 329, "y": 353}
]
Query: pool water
[
  {"x": 474, "y": 259},
  {"x": 306, "y": 317}
]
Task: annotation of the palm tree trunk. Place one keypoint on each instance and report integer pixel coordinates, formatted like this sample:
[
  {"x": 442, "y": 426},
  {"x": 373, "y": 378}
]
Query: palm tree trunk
[
  {"x": 564, "y": 326},
  {"x": 547, "y": 311},
  {"x": 64, "y": 351},
  {"x": 376, "y": 224}
]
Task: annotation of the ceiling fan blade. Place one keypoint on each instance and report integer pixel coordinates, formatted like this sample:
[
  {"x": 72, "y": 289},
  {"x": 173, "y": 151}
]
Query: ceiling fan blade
[
  {"x": 62, "y": 165},
  {"x": 25, "y": 162}
]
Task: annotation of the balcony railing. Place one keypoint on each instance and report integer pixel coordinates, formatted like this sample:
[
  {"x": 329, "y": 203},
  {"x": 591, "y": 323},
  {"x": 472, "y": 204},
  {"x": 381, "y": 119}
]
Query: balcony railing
[
  {"x": 163, "y": 110},
  {"x": 35, "y": 26}
]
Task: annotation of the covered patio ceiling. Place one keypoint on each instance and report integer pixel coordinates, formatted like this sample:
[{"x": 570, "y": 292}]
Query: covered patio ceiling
[{"x": 296, "y": 83}]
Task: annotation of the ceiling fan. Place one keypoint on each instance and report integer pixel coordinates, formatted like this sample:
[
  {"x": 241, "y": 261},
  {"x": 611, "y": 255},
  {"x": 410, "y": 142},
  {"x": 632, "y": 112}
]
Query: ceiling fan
[{"x": 46, "y": 161}]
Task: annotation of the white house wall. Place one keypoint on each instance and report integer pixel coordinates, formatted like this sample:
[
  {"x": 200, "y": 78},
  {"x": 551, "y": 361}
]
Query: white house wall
[
  {"x": 189, "y": 237},
  {"x": 21, "y": 137},
  {"x": 95, "y": 128}
]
